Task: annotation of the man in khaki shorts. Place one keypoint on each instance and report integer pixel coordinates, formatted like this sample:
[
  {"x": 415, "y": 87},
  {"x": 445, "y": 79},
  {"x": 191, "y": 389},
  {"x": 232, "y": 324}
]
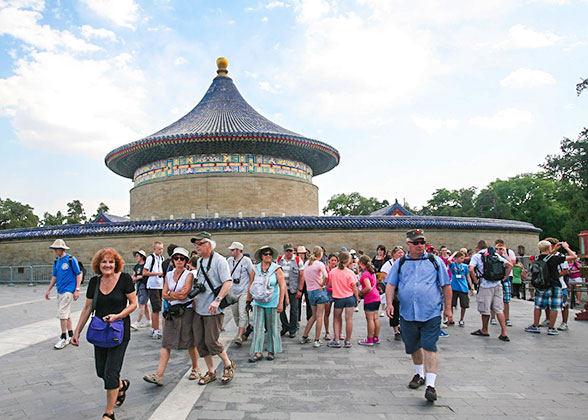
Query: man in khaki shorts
[
  {"x": 485, "y": 265},
  {"x": 67, "y": 277}
]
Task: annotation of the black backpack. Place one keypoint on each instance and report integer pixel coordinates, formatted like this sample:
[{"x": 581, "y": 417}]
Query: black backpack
[
  {"x": 540, "y": 278},
  {"x": 430, "y": 257},
  {"x": 493, "y": 267},
  {"x": 82, "y": 268}
]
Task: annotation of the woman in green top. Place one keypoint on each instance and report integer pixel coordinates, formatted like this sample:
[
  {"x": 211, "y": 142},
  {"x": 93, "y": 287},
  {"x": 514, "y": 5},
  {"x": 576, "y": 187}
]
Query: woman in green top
[{"x": 518, "y": 276}]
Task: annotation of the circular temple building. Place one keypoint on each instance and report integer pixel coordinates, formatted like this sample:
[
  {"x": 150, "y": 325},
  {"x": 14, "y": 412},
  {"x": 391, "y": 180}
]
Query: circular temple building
[
  {"x": 234, "y": 166},
  {"x": 229, "y": 159}
]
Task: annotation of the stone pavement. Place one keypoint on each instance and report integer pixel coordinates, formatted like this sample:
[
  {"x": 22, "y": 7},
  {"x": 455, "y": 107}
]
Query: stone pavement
[{"x": 532, "y": 377}]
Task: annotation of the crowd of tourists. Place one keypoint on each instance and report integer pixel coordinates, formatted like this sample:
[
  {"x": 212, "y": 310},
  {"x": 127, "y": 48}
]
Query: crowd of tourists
[{"x": 417, "y": 286}]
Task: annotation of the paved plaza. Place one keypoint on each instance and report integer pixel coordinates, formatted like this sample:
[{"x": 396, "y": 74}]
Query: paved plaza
[{"x": 532, "y": 377}]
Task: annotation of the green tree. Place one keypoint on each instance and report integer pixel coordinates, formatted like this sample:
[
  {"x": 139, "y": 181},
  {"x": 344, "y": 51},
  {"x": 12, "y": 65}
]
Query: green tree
[
  {"x": 75, "y": 213},
  {"x": 15, "y": 215},
  {"x": 353, "y": 204},
  {"x": 451, "y": 203},
  {"x": 53, "y": 220},
  {"x": 101, "y": 208},
  {"x": 582, "y": 86}
]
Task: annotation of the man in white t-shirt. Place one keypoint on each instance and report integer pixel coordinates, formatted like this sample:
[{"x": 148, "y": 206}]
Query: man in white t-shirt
[
  {"x": 154, "y": 271},
  {"x": 509, "y": 255},
  {"x": 241, "y": 267}
]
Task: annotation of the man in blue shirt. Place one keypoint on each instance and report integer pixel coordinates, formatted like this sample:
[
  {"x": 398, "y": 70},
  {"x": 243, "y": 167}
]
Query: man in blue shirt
[
  {"x": 67, "y": 276},
  {"x": 423, "y": 283}
]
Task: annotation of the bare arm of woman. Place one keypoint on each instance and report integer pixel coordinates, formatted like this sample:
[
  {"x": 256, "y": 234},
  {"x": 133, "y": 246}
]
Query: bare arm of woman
[
  {"x": 82, "y": 322},
  {"x": 282, "y": 283},
  {"x": 324, "y": 277},
  {"x": 183, "y": 293}
]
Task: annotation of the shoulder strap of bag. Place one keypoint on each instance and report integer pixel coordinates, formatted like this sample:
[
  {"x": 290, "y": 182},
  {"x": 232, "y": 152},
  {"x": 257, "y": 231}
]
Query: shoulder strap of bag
[
  {"x": 206, "y": 274},
  {"x": 95, "y": 300},
  {"x": 235, "y": 266}
]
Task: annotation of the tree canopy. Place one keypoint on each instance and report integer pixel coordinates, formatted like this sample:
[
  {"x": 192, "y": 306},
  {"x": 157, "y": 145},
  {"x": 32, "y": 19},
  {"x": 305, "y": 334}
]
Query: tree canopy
[
  {"x": 353, "y": 204},
  {"x": 14, "y": 215}
]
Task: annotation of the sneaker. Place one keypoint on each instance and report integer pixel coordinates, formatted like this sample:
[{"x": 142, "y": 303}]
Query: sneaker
[
  {"x": 430, "y": 394},
  {"x": 292, "y": 335},
  {"x": 365, "y": 343},
  {"x": 493, "y": 321},
  {"x": 356, "y": 309},
  {"x": 382, "y": 314},
  {"x": 61, "y": 343},
  {"x": 544, "y": 324},
  {"x": 145, "y": 324},
  {"x": 334, "y": 344},
  {"x": 156, "y": 336},
  {"x": 552, "y": 331},
  {"x": 443, "y": 334},
  {"x": 563, "y": 327},
  {"x": 316, "y": 344},
  {"x": 533, "y": 329},
  {"x": 134, "y": 326},
  {"x": 347, "y": 344},
  {"x": 461, "y": 323},
  {"x": 397, "y": 337},
  {"x": 304, "y": 340},
  {"x": 376, "y": 340},
  {"x": 508, "y": 323},
  {"x": 416, "y": 381}
]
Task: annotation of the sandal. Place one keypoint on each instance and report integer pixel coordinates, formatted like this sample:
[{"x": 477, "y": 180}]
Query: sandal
[
  {"x": 327, "y": 337},
  {"x": 110, "y": 416},
  {"x": 270, "y": 356},
  {"x": 480, "y": 333},
  {"x": 153, "y": 379},
  {"x": 255, "y": 358},
  {"x": 194, "y": 374},
  {"x": 238, "y": 341},
  {"x": 120, "y": 399},
  {"x": 228, "y": 373},
  {"x": 207, "y": 378}
]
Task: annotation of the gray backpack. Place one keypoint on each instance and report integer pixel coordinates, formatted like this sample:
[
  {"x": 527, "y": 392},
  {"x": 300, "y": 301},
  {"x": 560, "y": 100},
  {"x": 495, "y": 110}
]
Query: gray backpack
[{"x": 260, "y": 289}]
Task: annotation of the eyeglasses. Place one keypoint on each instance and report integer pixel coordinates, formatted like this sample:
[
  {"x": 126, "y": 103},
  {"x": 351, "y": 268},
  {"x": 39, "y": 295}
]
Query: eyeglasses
[
  {"x": 179, "y": 258},
  {"x": 265, "y": 254},
  {"x": 199, "y": 243},
  {"x": 418, "y": 242},
  {"x": 289, "y": 250}
]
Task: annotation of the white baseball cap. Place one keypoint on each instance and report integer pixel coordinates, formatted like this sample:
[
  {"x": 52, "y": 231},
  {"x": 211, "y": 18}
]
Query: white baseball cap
[{"x": 236, "y": 245}]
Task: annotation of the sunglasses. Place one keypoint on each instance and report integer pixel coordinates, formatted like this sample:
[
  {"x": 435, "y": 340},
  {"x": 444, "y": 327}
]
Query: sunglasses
[
  {"x": 418, "y": 242},
  {"x": 265, "y": 254},
  {"x": 180, "y": 258},
  {"x": 199, "y": 243}
]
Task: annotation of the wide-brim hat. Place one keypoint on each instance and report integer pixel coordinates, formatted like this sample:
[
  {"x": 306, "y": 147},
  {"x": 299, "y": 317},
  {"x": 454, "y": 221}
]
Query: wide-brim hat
[
  {"x": 257, "y": 255},
  {"x": 140, "y": 252},
  {"x": 301, "y": 249},
  {"x": 59, "y": 244},
  {"x": 181, "y": 251},
  {"x": 236, "y": 245}
]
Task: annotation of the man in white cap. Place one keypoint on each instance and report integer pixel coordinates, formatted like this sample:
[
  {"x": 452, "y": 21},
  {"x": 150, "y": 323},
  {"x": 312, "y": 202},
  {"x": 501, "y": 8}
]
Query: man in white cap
[
  {"x": 240, "y": 267},
  {"x": 67, "y": 277}
]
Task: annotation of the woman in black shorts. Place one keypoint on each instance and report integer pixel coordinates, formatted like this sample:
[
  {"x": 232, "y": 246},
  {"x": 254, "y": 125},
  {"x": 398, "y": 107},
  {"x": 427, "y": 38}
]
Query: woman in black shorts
[{"x": 116, "y": 299}]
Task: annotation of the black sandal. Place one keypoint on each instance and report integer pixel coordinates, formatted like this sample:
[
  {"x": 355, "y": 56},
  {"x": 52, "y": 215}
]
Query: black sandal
[
  {"x": 120, "y": 399},
  {"x": 110, "y": 416}
]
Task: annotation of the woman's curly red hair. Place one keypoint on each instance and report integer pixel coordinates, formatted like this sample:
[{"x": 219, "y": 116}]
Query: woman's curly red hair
[{"x": 119, "y": 263}]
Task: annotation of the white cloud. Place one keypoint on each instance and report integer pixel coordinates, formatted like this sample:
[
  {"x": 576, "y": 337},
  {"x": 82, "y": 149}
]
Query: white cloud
[
  {"x": 23, "y": 25},
  {"x": 432, "y": 125},
  {"x": 527, "y": 78},
  {"x": 122, "y": 12},
  {"x": 520, "y": 36},
  {"x": 506, "y": 119},
  {"x": 179, "y": 61},
  {"x": 89, "y": 32},
  {"x": 268, "y": 87},
  {"x": 274, "y": 4},
  {"x": 264, "y": 19},
  {"x": 60, "y": 103},
  {"x": 38, "y": 5},
  {"x": 312, "y": 10}
]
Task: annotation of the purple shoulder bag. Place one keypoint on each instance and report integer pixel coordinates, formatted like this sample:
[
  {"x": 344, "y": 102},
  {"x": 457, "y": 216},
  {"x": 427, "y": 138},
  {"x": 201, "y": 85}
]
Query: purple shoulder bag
[{"x": 102, "y": 333}]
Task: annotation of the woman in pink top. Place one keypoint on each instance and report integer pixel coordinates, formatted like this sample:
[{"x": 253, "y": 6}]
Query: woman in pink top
[
  {"x": 315, "y": 277},
  {"x": 371, "y": 300},
  {"x": 331, "y": 264},
  {"x": 345, "y": 294}
]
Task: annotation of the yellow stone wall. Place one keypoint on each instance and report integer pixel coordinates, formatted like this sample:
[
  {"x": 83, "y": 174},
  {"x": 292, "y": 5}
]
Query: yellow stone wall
[
  {"x": 31, "y": 252},
  {"x": 227, "y": 195}
]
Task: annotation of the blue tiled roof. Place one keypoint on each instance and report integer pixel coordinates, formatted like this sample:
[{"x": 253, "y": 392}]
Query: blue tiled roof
[
  {"x": 387, "y": 211},
  {"x": 222, "y": 122},
  {"x": 107, "y": 217},
  {"x": 288, "y": 223}
]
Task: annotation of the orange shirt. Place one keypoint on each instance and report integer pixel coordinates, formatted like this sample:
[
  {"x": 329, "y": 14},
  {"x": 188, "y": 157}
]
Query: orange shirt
[{"x": 342, "y": 282}]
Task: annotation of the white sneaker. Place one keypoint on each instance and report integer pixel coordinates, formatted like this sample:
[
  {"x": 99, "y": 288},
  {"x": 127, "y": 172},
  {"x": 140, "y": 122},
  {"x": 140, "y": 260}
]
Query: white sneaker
[
  {"x": 316, "y": 344},
  {"x": 134, "y": 326},
  {"x": 544, "y": 323},
  {"x": 461, "y": 323},
  {"x": 563, "y": 327},
  {"x": 382, "y": 314},
  {"x": 493, "y": 321},
  {"x": 508, "y": 323},
  {"x": 356, "y": 309},
  {"x": 145, "y": 324},
  {"x": 156, "y": 335},
  {"x": 61, "y": 343}
]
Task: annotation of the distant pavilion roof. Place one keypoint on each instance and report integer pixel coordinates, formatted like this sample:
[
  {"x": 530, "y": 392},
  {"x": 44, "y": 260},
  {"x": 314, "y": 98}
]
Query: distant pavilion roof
[
  {"x": 109, "y": 218},
  {"x": 222, "y": 122},
  {"x": 287, "y": 223},
  {"x": 392, "y": 210}
]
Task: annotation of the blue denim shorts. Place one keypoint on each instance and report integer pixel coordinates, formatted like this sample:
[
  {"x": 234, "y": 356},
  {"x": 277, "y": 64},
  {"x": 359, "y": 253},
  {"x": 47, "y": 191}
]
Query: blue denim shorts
[
  {"x": 416, "y": 334},
  {"x": 316, "y": 297},
  {"x": 142, "y": 296},
  {"x": 348, "y": 302},
  {"x": 330, "y": 296}
]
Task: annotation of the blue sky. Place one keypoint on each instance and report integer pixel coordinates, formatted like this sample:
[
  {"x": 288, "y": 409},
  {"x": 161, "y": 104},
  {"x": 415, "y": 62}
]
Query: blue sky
[{"x": 415, "y": 95}]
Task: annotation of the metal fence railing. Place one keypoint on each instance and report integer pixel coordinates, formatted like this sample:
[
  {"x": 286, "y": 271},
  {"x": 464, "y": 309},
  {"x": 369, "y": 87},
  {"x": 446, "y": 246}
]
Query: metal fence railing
[{"x": 39, "y": 274}]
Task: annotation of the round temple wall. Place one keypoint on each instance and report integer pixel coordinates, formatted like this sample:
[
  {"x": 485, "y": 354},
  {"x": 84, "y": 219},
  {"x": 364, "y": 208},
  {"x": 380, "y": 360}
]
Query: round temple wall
[{"x": 229, "y": 195}]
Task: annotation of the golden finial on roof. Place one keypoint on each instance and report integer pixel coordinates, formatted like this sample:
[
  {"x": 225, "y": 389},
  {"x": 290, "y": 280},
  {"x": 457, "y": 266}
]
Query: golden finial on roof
[{"x": 222, "y": 63}]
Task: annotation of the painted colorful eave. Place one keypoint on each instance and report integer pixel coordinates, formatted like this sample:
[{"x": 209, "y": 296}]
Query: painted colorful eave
[
  {"x": 245, "y": 224},
  {"x": 126, "y": 159}
]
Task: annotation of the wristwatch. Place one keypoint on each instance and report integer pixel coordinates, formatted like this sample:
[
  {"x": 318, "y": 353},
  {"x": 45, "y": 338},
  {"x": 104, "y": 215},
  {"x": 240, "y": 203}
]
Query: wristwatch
[
  {"x": 218, "y": 298},
  {"x": 78, "y": 289}
]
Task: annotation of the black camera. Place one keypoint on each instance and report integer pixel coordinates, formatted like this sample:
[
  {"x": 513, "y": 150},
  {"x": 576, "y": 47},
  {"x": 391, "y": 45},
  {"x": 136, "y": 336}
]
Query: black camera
[{"x": 198, "y": 288}]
